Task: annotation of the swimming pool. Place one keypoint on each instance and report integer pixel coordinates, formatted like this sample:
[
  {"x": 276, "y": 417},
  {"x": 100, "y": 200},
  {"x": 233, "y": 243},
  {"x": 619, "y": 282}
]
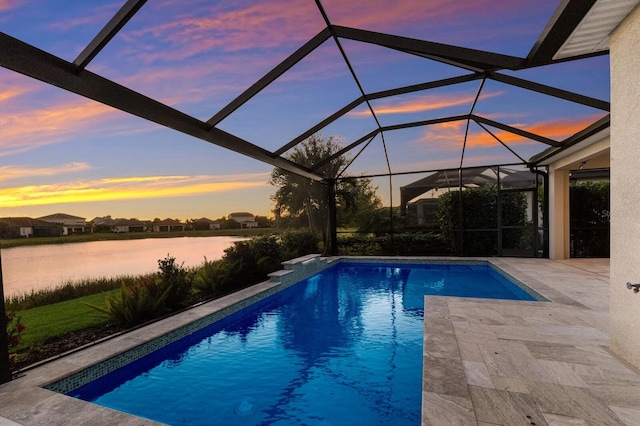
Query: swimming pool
[{"x": 342, "y": 347}]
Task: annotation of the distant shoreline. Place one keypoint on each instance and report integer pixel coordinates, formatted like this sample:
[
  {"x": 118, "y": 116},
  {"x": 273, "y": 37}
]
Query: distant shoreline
[{"x": 112, "y": 236}]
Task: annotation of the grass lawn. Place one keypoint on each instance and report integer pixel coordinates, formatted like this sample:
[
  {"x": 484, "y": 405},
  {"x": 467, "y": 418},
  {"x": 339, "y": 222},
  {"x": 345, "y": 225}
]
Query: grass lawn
[{"x": 61, "y": 318}]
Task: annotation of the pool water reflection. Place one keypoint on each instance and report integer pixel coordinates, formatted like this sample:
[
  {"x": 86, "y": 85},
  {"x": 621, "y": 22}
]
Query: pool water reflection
[{"x": 342, "y": 347}]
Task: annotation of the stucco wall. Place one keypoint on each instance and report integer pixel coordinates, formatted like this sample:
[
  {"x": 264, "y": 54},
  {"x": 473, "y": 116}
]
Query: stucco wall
[
  {"x": 625, "y": 187},
  {"x": 558, "y": 213}
]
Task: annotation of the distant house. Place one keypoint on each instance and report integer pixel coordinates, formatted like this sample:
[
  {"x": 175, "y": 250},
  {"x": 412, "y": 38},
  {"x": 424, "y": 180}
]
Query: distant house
[
  {"x": 128, "y": 225},
  {"x": 205, "y": 224},
  {"x": 103, "y": 221},
  {"x": 168, "y": 225},
  {"x": 27, "y": 227},
  {"x": 70, "y": 224},
  {"x": 246, "y": 220}
]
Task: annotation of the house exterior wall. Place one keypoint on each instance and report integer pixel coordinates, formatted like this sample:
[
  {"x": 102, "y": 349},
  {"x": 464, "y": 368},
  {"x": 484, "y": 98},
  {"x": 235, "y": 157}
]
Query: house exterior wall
[
  {"x": 70, "y": 224},
  {"x": 625, "y": 191},
  {"x": 167, "y": 228},
  {"x": 558, "y": 213},
  {"x": 243, "y": 218},
  {"x": 26, "y": 231},
  {"x": 597, "y": 156}
]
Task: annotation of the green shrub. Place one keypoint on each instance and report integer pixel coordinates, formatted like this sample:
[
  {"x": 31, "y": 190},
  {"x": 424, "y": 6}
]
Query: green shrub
[
  {"x": 15, "y": 327},
  {"x": 175, "y": 280},
  {"x": 296, "y": 243},
  {"x": 414, "y": 244},
  {"x": 472, "y": 231},
  {"x": 405, "y": 244},
  {"x": 217, "y": 277},
  {"x": 357, "y": 245},
  {"x": 380, "y": 222},
  {"x": 150, "y": 296},
  {"x": 589, "y": 218},
  {"x": 136, "y": 304},
  {"x": 258, "y": 257}
]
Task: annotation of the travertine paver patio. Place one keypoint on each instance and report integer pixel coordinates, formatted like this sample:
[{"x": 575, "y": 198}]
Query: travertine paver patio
[
  {"x": 493, "y": 362},
  {"x": 487, "y": 362}
]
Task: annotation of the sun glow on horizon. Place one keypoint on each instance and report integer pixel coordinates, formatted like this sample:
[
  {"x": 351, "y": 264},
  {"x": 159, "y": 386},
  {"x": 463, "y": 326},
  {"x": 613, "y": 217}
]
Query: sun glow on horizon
[{"x": 127, "y": 188}]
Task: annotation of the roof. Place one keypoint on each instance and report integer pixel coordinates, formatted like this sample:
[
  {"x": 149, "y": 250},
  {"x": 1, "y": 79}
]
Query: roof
[
  {"x": 60, "y": 216},
  {"x": 484, "y": 85},
  {"x": 236, "y": 214},
  {"x": 25, "y": 222},
  {"x": 468, "y": 177},
  {"x": 168, "y": 222},
  {"x": 105, "y": 220},
  {"x": 204, "y": 220},
  {"x": 128, "y": 222}
]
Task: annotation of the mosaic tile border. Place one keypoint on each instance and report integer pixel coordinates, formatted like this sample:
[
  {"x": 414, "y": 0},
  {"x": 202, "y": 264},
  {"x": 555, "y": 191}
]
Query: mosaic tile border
[
  {"x": 98, "y": 370},
  {"x": 95, "y": 371}
]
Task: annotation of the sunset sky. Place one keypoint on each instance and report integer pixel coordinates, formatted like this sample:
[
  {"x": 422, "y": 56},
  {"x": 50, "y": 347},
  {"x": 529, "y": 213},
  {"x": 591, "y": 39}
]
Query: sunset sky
[{"x": 60, "y": 152}]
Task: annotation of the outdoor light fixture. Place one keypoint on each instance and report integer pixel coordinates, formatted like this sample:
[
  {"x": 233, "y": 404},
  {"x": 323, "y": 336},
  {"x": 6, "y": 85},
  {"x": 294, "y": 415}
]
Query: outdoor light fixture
[{"x": 635, "y": 287}]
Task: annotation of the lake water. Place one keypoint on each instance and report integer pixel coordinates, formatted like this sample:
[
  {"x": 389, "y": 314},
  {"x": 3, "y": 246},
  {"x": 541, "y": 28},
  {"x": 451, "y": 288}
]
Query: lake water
[{"x": 36, "y": 267}]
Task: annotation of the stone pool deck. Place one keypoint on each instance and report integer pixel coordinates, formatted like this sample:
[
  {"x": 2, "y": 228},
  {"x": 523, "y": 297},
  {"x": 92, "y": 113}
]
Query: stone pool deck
[
  {"x": 491, "y": 362},
  {"x": 487, "y": 362}
]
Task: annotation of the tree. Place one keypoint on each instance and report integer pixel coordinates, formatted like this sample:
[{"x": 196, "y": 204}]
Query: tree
[
  {"x": 263, "y": 221},
  {"x": 358, "y": 198},
  {"x": 478, "y": 219},
  {"x": 302, "y": 200},
  {"x": 589, "y": 219}
]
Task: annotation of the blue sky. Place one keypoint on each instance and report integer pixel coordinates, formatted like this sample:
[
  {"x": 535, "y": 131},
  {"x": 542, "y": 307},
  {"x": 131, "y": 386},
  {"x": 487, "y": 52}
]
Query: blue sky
[{"x": 60, "y": 152}]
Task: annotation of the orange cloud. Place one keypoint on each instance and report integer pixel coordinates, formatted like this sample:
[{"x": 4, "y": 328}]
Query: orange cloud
[
  {"x": 174, "y": 85},
  {"x": 410, "y": 16},
  {"x": 27, "y": 129},
  {"x": 8, "y": 93},
  {"x": 12, "y": 172},
  {"x": 227, "y": 28},
  {"x": 450, "y": 136},
  {"x": 95, "y": 17},
  {"x": 391, "y": 14},
  {"x": 423, "y": 103},
  {"x": 446, "y": 135},
  {"x": 6, "y": 4},
  {"x": 553, "y": 129},
  {"x": 128, "y": 188}
]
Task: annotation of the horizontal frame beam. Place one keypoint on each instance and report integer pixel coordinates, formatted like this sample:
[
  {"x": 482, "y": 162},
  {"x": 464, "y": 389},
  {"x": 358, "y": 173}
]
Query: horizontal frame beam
[
  {"x": 40, "y": 65},
  {"x": 347, "y": 148},
  {"x": 551, "y": 91},
  {"x": 377, "y": 95},
  {"x": 515, "y": 130},
  {"x": 486, "y": 61},
  {"x": 115, "y": 24},
  {"x": 270, "y": 77},
  {"x": 333, "y": 117}
]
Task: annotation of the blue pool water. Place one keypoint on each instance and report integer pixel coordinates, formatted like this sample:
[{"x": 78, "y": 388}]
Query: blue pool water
[{"x": 343, "y": 347}]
